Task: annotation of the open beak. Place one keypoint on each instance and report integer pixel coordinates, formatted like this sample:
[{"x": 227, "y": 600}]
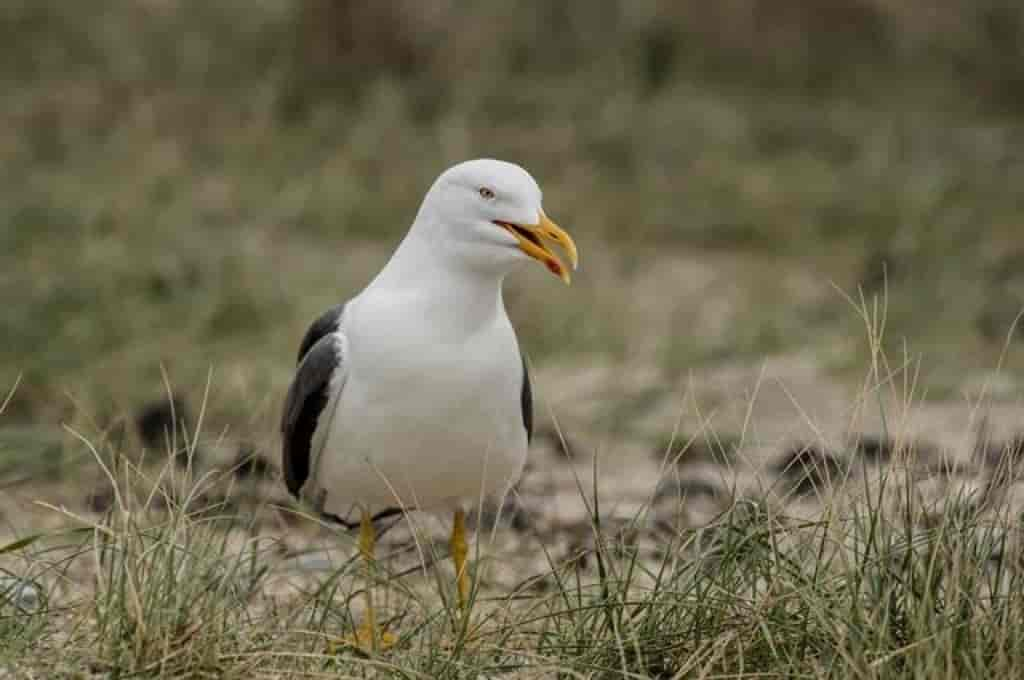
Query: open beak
[{"x": 534, "y": 239}]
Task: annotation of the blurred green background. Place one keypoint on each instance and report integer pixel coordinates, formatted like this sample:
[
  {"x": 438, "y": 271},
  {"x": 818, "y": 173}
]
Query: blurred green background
[{"x": 187, "y": 183}]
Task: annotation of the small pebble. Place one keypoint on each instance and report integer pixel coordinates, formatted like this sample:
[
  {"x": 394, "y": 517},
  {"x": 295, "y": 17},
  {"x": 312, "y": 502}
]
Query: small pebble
[{"x": 22, "y": 594}]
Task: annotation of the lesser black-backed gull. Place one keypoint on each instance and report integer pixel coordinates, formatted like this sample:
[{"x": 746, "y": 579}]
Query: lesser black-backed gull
[{"x": 414, "y": 393}]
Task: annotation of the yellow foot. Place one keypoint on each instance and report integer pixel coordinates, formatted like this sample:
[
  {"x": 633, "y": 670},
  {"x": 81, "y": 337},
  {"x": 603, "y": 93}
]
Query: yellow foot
[{"x": 363, "y": 640}]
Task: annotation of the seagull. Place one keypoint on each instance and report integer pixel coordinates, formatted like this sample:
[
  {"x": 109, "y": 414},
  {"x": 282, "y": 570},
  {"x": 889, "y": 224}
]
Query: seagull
[{"x": 414, "y": 394}]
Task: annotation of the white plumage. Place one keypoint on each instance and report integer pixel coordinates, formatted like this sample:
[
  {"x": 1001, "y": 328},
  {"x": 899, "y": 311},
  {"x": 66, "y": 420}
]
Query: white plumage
[
  {"x": 414, "y": 393},
  {"x": 430, "y": 412}
]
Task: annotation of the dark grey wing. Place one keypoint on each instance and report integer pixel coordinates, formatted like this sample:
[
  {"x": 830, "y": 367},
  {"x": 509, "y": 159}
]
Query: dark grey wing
[
  {"x": 329, "y": 322},
  {"x": 526, "y": 401},
  {"x": 309, "y": 407}
]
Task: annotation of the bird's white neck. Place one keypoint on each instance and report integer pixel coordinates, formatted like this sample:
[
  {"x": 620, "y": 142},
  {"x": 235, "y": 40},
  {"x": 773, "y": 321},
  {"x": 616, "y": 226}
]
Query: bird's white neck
[{"x": 444, "y": 292}]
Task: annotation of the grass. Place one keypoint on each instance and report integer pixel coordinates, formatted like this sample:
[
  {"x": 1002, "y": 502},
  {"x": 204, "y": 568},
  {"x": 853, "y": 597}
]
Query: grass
[
  {"x": 754, "y": 594},
  {"x": 188, "y": 183},
  {"x": 882, "y": 580}
]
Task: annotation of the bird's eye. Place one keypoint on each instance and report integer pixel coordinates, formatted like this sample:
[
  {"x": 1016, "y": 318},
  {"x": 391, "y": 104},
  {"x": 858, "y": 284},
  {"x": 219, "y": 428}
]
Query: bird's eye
[{"x": 486, "y": 193}]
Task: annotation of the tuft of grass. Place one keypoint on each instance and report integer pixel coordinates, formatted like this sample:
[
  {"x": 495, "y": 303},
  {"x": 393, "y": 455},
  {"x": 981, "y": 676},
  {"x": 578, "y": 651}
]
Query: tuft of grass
[
  {"x": 881, "y": 581},
  {"x": 753, "y": 594}
]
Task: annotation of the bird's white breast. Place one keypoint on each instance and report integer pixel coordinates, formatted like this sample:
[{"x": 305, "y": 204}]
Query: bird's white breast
[{"x": 430, "y": 414}]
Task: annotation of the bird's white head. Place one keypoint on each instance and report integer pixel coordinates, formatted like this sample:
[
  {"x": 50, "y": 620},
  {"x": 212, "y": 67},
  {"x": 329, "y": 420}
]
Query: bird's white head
[{"x": 487, "y": 215}]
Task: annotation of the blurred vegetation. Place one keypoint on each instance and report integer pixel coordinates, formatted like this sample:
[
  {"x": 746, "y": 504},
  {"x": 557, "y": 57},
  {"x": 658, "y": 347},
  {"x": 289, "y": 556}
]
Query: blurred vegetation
[{"x": 190, "y": 182}]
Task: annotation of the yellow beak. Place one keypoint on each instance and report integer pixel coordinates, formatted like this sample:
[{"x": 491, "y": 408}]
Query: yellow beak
[{"x": 533, "y": 239}]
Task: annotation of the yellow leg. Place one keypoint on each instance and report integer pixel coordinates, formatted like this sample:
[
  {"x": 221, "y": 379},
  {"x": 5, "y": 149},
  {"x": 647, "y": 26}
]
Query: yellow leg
[
  {"x": 368, "y": 637},
  {"x": 367, "y": 543},
  {"x": 459, "y": 552}
]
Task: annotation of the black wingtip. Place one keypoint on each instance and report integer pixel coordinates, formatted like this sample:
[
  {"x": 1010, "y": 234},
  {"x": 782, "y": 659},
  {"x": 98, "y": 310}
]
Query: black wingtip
[
  {"x": 526, "y": 402},
  {"x": 299, "y": 441}
]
